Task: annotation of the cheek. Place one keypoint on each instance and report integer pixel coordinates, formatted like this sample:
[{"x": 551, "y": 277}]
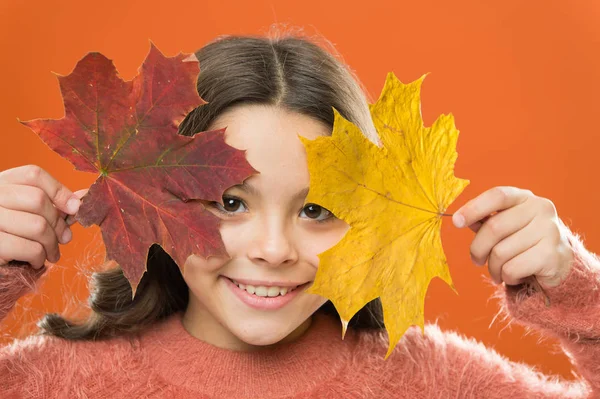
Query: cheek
[
  {"x": 236, "y": 236},
  {"x": 196, "y": 267},
  {"x": 317, "y": 242}
]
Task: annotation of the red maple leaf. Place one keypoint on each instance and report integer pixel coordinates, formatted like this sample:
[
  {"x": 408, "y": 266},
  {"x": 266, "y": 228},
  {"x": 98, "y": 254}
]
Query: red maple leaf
[{"x": 151, "y": 178}]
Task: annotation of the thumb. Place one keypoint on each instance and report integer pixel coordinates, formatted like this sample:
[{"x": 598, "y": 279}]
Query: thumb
[{"x": 79, "y": 194}]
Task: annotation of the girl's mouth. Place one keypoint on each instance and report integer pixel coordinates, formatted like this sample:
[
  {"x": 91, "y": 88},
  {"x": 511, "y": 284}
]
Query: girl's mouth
[{"x": 264, "y": 297}]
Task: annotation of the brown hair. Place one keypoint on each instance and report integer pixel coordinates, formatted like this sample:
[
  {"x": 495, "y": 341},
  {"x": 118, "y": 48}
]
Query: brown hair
[{"x": 290, "y": 72}]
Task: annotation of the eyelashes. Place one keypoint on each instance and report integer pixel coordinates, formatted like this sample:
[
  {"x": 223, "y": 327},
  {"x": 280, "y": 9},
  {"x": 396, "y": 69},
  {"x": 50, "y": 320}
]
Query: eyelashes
[
  {"x": 229, "y": 202},
  {"x": 322, "y": 213},
  {"x": 233, "y": 205}
]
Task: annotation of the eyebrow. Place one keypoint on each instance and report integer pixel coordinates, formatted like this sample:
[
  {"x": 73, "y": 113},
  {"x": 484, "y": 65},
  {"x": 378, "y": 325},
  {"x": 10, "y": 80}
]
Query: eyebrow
[{"x": 250, "y": 189}]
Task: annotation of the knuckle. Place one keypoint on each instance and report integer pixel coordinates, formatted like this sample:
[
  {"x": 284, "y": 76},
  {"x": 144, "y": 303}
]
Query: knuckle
[
  {"x": 547, "y": 206},
  {"x": 39, "y": 226},
  {"x": 38, "y": 199},
  {"x": 498, "y": 253},
  {"x": 495, "y": 226},
  {"x": 38, "y": 250},
  {"x": 32, "y": 173}
]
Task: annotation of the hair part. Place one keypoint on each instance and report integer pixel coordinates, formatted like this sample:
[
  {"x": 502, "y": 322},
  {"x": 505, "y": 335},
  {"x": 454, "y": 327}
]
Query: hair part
[{"x": 289, "y": 72}]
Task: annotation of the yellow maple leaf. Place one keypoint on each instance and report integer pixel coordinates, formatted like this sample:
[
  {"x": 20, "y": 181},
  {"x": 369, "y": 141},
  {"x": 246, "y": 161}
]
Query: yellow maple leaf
[{"x": 393, "y": 197}]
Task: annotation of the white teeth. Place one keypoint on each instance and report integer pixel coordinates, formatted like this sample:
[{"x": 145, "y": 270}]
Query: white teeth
[{"x": 263, "y": 291}]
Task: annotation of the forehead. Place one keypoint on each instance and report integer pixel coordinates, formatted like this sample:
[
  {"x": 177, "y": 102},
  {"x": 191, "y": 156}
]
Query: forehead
[
  {"x": 247, "y": 123},
  {"x": 269, "y": 135}
]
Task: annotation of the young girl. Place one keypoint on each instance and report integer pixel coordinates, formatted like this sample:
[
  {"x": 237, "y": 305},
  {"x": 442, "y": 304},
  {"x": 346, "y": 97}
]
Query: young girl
[{"x": 211, "y": 332}]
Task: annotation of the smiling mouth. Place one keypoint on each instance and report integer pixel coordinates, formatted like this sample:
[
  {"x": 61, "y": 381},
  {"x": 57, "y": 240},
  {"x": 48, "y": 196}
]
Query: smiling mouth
[{"x": 267, "y": 291}]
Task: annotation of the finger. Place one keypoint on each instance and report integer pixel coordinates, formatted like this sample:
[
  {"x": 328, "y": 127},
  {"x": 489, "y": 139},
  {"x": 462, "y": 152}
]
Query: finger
[
  {"x": 31, "y": 227},
  {"x": 33, "y": 200},
  {"x": 511, "y": 247},
  {"x": 526, "y": 264},
  {"x": 32, "y": 175},
  {"x": 494, "y": 200},
  {"x": 18, "y": 248},
  {"x": 70, "y": 220},
  {"x": 496, "y": 228},
  {"x": 81, "y": 193},
  {"x": 477, "y": 225}
]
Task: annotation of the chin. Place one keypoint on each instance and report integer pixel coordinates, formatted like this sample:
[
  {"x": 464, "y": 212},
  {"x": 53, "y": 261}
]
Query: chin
[
  {"x": 261, "y": 339},
  {"x": 264, "y": 332}
]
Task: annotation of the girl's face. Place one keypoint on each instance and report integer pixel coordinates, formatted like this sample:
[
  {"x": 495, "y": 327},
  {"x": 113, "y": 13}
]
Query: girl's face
[{"x": 273, "y": 240}]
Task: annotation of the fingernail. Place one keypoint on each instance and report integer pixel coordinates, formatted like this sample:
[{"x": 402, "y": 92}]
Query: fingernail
[
  {"x": 458, "y": 220},
  {"x": 66, "y": 236},
  {"x": 70, "y": 220},
  {"x": 73, "y": 205}
]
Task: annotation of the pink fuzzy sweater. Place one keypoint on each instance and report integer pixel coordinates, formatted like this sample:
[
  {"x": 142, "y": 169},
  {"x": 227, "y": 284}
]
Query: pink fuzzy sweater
[{"x": 167, "y": 362}]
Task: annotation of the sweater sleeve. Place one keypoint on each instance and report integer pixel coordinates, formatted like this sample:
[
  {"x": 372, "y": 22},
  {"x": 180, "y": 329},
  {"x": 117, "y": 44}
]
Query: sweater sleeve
[
  {"x": 16, "y": 280},
  {"x": 447, "y": 364},
  {"x": 572, "y": 314}
]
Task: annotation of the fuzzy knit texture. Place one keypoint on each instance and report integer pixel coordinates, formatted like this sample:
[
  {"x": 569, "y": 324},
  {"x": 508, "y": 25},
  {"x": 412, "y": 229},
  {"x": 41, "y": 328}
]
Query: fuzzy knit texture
[{"x": 165, "y": 361}]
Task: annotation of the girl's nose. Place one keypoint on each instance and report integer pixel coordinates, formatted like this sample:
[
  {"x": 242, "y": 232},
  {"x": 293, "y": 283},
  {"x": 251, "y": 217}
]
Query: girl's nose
[{"x": 273, "y": 245}]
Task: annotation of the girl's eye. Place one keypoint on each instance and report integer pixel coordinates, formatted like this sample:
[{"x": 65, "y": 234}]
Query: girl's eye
[
  {"x": 315, "y": 212},
  {"x": 231, "y": 205}
]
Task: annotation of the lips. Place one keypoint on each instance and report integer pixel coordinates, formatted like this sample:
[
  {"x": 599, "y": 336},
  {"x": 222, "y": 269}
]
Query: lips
[{"x": 264, "y": 297}]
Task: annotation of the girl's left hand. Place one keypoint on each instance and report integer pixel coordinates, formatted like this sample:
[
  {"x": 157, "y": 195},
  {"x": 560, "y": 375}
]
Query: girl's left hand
[{"x": 518, "y": 234}]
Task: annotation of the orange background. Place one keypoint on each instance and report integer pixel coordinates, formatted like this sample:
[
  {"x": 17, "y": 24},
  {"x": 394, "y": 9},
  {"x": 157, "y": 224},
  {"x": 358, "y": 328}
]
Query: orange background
[{"x": 521, "y": 77}]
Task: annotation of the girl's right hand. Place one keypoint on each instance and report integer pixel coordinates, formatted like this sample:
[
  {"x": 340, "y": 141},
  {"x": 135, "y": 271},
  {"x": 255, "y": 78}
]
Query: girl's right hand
[{"x": 33, "y": 207}]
